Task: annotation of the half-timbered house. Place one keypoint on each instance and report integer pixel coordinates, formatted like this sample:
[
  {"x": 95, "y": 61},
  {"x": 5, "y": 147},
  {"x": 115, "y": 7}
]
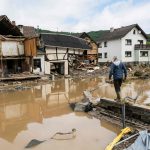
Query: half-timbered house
[{"x": 61, "y": 50}]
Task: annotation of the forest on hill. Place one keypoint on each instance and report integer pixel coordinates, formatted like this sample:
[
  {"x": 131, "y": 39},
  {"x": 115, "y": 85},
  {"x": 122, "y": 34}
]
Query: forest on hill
[{"x": 93, "y": 34}]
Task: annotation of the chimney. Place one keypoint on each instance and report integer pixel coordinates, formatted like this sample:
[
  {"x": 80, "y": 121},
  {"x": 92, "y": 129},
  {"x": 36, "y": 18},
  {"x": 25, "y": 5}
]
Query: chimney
[
  {"x": 20, "y": 28},
  {"x": 112, "y": 29},
  {"x": 13, "y": 23}
]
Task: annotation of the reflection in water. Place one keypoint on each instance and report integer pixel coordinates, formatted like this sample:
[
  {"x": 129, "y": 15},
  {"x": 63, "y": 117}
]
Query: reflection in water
[{"x": 43, "y": 110}]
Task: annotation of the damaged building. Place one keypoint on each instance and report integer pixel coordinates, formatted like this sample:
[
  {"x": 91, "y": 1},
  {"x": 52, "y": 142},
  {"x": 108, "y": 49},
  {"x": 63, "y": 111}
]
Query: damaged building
[
  {"x": 30, "y": 44},
  {"x": 90, "y": 56},
  {"x": 61, "y": 51},
  {"x": 16, "y": 50},
  {"x": 11, "y": 47}
]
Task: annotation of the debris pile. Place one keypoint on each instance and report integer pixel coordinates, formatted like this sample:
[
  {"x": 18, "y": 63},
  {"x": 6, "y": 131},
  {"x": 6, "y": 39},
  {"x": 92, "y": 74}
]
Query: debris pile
[
  {"x": 89, "y": 71},
  {"x": 139, "y": 71}
]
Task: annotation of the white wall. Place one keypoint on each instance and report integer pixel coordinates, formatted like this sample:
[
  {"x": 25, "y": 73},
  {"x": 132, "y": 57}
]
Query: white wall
[
  {"x": 51, "y": 53},
  {"x": 12, "y": 48},
  {"x": 61, "y": 56},
  {"x": 134, "y": 37},
  {"x": 113, "y": 49},
  {"x": 47, "y": 67}
]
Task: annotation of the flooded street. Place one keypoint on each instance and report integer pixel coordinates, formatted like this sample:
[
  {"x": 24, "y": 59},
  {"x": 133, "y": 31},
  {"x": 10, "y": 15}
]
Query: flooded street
[{"x": 41, "y": 111}]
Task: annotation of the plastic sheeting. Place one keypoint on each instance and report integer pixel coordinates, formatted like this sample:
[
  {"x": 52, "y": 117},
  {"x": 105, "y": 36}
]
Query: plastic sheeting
[{"x": 142, "y": 142}]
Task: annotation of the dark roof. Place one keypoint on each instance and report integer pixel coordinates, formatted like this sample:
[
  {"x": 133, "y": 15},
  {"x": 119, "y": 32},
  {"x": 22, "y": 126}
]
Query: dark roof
[
  {"x": 29, "y": 31},
  {"x": 68, "y": 41},
  {"x": 7, "y": 28},
  {"x": 119, "y": 33}
]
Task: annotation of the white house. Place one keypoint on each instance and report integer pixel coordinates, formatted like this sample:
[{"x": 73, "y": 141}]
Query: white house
[{"x": 127, "y": 43}]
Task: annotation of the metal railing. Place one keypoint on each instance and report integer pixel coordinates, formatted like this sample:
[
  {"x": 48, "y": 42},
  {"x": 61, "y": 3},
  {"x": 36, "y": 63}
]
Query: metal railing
[{"x": 142, "y": 47}]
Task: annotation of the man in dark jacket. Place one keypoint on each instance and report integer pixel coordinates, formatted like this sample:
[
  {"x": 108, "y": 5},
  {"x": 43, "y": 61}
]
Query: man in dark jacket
[{"x": 118, "y": 71}]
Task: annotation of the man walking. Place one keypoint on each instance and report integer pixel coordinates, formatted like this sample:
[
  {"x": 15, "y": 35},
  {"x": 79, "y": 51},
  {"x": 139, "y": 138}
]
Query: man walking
[{"x": 118, "y": 71}]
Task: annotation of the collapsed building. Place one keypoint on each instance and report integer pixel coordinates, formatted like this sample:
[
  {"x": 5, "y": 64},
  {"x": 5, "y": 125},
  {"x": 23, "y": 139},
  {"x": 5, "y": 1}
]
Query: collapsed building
[
  {"x": 61, "y": 51},
  {"x": 90, "y": 56},
  {"x": 16, "y": 51}
]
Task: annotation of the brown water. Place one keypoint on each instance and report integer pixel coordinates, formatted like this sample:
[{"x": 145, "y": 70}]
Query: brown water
[{"x": 43, "y": 110}]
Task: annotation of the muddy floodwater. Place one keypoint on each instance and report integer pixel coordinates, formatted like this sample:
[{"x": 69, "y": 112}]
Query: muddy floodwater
[{"x": 40, "y": 111}]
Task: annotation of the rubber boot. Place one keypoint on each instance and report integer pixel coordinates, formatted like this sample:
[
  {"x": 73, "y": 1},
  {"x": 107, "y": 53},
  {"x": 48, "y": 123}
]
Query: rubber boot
[{"x": 118, "y": 96}]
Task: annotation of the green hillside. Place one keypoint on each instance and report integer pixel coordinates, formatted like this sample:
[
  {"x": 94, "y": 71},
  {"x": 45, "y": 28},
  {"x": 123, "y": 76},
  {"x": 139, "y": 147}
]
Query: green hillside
[{"x": 93, "y": 34}]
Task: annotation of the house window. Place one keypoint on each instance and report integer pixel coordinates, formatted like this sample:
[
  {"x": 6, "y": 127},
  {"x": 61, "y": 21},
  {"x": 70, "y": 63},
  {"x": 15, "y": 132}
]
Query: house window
[
  {"x": 105, "y": 55},
  {"x": 128, "y": 42},
  {"x": 143, "y": 53},
  {"x": 139, "y": 31},
  {"x": 134, "y": 31},
  {"x": 140, "y": 42},
  {"x": 128, "y": 54},
  {"x": 105, "y": 44},
  {"x": 99, "y": 55},
  {"x": 100, "y": 45}
]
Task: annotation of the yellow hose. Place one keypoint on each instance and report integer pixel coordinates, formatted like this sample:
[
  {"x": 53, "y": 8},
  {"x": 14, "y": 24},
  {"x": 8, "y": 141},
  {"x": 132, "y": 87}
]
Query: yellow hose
[{"x": 117, "y": 139}]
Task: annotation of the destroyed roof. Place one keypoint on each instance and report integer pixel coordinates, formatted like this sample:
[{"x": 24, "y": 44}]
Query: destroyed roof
[
  {"x": 67, "y": 41},
  {"x": 29, "y": 31},
  {"x": 119, "y": 33},
  {"x": 83, "y": 35},
  {"x": 7, "y": 28}
]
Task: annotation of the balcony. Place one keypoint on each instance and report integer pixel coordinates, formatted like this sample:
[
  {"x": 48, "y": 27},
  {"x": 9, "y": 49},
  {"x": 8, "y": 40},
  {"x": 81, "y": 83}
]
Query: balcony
[{"x": 142, "y": 47}]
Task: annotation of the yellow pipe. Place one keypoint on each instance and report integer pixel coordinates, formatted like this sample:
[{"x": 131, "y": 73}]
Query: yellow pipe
[{"x": 117, "y": 139}]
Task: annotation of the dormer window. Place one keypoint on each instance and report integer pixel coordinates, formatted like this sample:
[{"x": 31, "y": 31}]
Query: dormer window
[
  {"x": 128, "y": 42},
  {"x": 134, "y": 31},
  {"x": 105, "y": 44}
]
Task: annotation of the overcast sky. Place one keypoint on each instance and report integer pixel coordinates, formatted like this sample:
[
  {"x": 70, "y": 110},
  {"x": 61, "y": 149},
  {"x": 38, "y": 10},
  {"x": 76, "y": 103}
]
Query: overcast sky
[{"x": 78, "y": 15}]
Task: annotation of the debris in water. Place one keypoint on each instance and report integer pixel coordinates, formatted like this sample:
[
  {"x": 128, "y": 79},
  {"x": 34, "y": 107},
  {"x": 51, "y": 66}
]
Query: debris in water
[{"x": 56, "y": 136}]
